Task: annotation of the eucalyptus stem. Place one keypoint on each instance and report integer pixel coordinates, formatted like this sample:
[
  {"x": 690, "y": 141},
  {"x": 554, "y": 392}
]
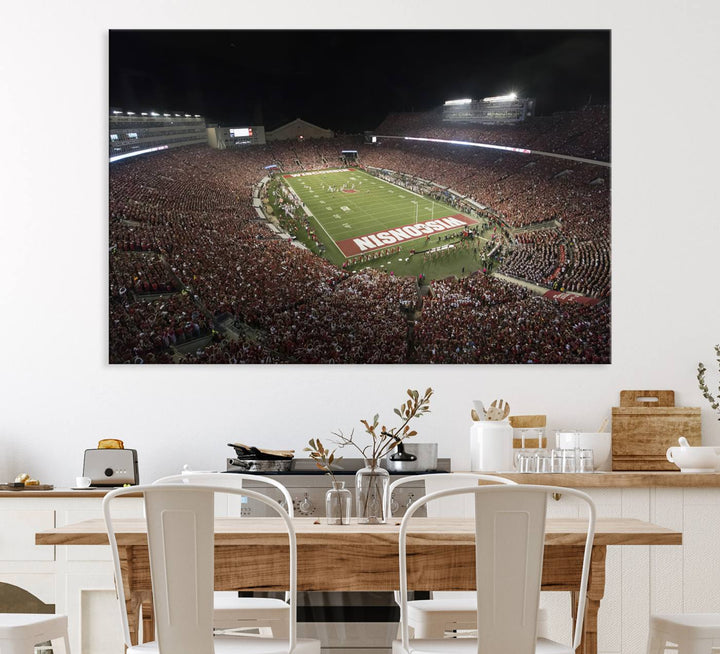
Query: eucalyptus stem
[{"x": 702, "y": 384}]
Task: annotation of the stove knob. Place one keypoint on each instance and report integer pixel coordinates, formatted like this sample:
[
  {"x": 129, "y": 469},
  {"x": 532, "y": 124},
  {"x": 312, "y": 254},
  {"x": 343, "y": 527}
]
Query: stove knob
[
  {"x": 394, "y": 505},
  {"x": 306, "y": 506},
  {"x": 108, "y": 472}
]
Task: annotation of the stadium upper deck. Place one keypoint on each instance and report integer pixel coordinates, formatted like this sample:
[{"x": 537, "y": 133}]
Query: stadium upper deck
[{"x": 584, "y": 134}]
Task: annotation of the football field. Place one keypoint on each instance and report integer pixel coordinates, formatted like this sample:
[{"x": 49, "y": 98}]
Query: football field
[{"x": 358, "y": 214}]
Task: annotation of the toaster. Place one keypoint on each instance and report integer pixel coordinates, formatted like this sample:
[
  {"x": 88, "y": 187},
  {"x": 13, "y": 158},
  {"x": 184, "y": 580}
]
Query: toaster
[{"x": 110, "y": 467}]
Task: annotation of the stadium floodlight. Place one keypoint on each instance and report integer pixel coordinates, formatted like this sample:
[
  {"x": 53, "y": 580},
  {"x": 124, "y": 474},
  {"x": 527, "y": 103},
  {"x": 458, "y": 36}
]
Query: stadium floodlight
[
  {"x": 130, "y": 113},
  {"x": 198, "y": 116},
  {"x": 144, "y": 113},
  {"x": 462, "y": 101},
  {"x": 189, "y": 116},
  {"x": 178, "y": 115},
  {"x": 154, "y": 113},
  {"x": 501, "y": 98},
  {"x": 116, "y": 112},
  {"x": 167, "y": 115}
]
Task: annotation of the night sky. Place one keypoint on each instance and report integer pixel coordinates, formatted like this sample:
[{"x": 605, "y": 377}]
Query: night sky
[{"x": 349, "y": 81}]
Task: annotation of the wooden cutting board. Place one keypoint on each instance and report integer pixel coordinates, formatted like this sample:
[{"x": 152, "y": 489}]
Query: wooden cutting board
[
  {"x": 7, "y": 487},
  {"x": 645, "y": 425}
]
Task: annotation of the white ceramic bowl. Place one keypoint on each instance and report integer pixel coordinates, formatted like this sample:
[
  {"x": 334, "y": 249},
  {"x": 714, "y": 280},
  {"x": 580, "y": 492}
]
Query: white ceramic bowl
[
  {"x": 599, "y": 442},
  {"x": 695, "y": 459}
]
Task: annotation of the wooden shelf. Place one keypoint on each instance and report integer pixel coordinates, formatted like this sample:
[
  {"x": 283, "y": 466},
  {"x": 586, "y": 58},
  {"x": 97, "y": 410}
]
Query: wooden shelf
[{"x": 642, "y": 479}]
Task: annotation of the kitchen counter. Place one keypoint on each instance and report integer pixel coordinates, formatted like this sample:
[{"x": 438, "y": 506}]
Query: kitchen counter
[
  {"x": 642, "y": 479},
  {"x": 57, "y": 493}
]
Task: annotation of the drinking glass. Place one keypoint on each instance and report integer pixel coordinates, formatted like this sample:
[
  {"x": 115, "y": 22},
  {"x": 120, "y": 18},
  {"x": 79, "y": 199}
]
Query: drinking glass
[
  {"x": 539, "y": 433},
  {"x": 543, "y": 461},
  {"x": 526, "y": 461},
  {"x": 568, "y": 460},
  {"x": 518, "y": 455},
  {"x": 585, "y": 461}
]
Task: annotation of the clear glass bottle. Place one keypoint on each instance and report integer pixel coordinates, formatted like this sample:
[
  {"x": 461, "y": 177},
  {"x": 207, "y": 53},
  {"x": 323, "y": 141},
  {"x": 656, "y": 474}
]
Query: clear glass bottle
[
  {"x": 338, "y": 503},
  {"x": 371, "y": 484}
]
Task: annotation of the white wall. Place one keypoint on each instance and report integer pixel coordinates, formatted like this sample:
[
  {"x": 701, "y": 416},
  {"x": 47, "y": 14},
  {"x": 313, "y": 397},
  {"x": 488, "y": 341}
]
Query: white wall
[{"x": 58, "y": 395}]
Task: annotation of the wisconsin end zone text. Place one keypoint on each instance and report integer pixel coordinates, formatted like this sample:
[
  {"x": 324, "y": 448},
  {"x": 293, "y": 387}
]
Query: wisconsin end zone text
[{"x": 370, "y": 242}]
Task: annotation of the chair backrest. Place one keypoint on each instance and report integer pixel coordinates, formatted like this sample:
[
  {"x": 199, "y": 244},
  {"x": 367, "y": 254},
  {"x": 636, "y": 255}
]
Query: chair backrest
[
  {"x": 230, "y": 479},
  {"x": 442, "y": 481},
  {"x": 509, "y": 545},
  {"x": 180, "y": 530}
]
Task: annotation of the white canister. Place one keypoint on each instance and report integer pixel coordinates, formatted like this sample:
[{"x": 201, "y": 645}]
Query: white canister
[{"x": 491, "y": 446}]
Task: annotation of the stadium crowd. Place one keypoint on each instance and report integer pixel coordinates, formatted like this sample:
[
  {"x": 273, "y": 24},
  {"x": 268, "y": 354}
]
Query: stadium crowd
[
  {"x": 191, "y": 261},
  {"x": 583, "y": 133}
]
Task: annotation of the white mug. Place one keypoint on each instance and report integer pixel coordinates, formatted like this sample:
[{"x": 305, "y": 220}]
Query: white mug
[{"x": 82, "y": 482}]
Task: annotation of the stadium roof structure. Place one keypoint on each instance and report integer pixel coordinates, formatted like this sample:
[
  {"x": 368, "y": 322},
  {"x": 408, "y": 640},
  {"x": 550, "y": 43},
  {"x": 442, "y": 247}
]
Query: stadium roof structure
[{"x": 296, "y": 129}]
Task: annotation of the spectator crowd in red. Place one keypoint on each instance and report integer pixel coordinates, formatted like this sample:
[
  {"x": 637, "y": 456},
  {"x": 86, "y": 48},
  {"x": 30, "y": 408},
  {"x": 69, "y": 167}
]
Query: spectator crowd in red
[{"x": 196, "y": 276}]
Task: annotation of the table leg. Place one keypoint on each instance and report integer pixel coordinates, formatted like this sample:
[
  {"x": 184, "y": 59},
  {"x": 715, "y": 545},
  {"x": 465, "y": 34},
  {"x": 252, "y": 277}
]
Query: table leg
[
  {"x": 596, "y": 591},
  {"x": 148, "y": 617}
]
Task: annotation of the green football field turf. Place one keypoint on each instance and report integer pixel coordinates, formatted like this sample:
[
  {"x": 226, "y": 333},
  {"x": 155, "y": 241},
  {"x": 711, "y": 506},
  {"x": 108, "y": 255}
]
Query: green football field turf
[{"x": 371, "y": 205}]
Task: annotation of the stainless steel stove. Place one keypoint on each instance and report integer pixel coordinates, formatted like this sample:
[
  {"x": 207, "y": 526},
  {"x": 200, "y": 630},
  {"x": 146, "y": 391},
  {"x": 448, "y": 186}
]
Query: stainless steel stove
[
  {"x": 345, "y": 622},
  {"x": 307, "y": 485}
]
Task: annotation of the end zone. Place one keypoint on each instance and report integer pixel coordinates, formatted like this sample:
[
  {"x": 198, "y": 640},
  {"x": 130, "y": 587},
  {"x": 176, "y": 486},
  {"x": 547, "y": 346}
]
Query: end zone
[{"x": 359, "y": 244}]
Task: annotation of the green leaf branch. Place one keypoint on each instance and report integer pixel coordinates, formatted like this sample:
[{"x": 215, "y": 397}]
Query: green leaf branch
[{"x": 702, "y": 370}]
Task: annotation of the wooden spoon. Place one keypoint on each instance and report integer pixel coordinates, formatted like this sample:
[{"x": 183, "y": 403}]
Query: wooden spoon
[{"x": 498, "y": 411}]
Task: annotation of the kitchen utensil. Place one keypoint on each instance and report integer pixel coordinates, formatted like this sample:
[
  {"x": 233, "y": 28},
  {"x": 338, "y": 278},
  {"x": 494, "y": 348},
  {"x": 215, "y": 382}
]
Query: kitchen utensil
[
  {"x": 261, "y": 465},
  {"x": 111, "y": 467},
  {"x": 694, "y": 459},
  {"x": 474, "y": 415},
  {"x": 23, "y": 487},
  {"x": 267, "y": 455},
  {"x": 491, "y": 446},
  {"x": 401, "y": 455},
  {"x": 603, "y": 425},
  {"x": 498, "y": 411},
  {"x": 599, "y": 442},
  {"x": 424, "y": 458},
  {"x": 536, "y": 423},
  {"x": 645, "y": 425},
  {"x": 480, "y": 408}
]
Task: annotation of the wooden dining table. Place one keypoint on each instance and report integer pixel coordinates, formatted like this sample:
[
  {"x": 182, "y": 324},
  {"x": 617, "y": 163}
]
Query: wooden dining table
[{"x": 251, "y": 554}]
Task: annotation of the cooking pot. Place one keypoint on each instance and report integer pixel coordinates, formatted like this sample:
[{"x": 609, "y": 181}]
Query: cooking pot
[
  {"x": 262, "y": 465},
  {"x": 412, "y": 457}
]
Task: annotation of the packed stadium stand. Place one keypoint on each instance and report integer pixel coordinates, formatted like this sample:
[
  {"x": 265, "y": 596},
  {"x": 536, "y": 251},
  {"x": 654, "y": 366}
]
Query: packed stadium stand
[{"x": 196, "y": 276}]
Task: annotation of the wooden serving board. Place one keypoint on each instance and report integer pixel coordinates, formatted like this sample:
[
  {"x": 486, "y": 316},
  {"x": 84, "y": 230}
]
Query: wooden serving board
[
  {"x": 45, "y": 487},
  {"x": 643, "y": 430}
]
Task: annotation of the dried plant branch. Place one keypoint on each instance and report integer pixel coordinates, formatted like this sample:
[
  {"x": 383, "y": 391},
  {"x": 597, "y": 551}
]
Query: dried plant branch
[
  {"x": 702, "y": 370},
  {"x": 384, "y": 440},
  {"x": 323, "y": 457}
]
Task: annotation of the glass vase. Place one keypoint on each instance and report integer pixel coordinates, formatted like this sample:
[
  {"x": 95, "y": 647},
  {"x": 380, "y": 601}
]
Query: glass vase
[
  {"x": 338, "y": 501},
  {"x": 371, "y": 484}
]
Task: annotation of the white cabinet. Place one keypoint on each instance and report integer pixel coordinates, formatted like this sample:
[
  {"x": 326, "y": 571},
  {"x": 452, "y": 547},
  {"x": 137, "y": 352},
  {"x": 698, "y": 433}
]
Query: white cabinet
[
  {"x": 640, "y": 579},
  {"x": 644, "y": 579},
  {"x": 78, "y": 580}
]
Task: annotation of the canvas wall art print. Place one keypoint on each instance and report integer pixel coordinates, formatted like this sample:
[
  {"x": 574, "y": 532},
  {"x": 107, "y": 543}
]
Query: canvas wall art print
[{"x": 353, "y": 196}]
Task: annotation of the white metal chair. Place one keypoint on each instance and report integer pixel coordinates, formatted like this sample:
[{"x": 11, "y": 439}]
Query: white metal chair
[
  {"x": 180, "y": 529},
  {"x": 20, "y": 632},
  {"x": 446, "y": 611},
  {"x": 233, "y": 612},
  {"x": 693, "y": 633},
  {"x": 509, "y": 545}
]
